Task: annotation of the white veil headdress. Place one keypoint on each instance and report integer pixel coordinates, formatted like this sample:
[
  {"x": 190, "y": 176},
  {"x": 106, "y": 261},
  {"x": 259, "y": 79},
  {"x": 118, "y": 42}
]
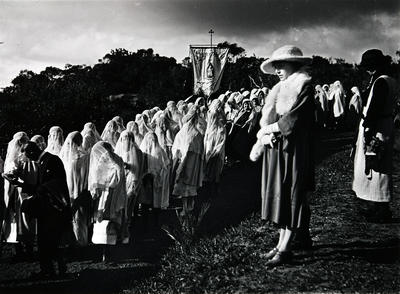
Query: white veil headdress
[
  {"x": 14, "y": 152},
  {"x": 106, "y": 171},
  {"x": 120, "y": 123},
  {"x": 131, "y": 154},
  {"x": 89, "y": 126},
  {"x": 55, "y": 140},
  {"x": 184, "y": 140},
  {"x": 215, "y": 135},
  {"x": 40, "y": 141},
  {"x": 110, "y": 133},
  {"x": 76, "y": 164},
  {"x": 157, "y": 158},
  {"x": 133, "y": 127}
]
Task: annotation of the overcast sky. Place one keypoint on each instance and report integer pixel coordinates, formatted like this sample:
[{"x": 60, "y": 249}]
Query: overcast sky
[{"x": 37, "y": 34}]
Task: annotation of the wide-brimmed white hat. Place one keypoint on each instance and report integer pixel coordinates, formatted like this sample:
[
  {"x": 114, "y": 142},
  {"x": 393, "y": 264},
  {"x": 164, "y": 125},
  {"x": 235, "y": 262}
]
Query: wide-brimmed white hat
[{"x": 285, "y": 53}]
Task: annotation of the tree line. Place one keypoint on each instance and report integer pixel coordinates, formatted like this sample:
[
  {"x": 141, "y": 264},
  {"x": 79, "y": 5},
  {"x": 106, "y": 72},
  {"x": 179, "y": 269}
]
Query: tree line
[{"x": 125, "y": 83}]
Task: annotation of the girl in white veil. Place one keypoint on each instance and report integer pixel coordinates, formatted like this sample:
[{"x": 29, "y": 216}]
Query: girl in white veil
[
  {"x": 144, "y": 123},
  {"x": 156, "y": 175},
  {"x": 107, "y": 186},
  {"x": 55, "y": 140},
  {"x": 355, "y": 101},
  {"x": 188, "y": 158},
  {"x": 214, "y": 142},
  {"x": 132, "y": 126},
  {"x": 89, "y": 139},
  {"x": 89, "y": 126},
  {"x": 321, "y": 102},
  {"x": 132, "y": 157},
  {"x": 138, "y": 117},
  {"x": 14, "y": 152},
  {"x": 76, "y": 164},
  {"x": 214, "y": 149},
  {"x": 40, "y": 141},
  {"x": 174, "y": 112},
  {"x": 110, "y": 133},
  {"x": 17, "y": 227},
  {"x": 202, "y": 123},
  {"x": 120, "y": 123},
  {"x": 183, "y": 108},
  {"x": 338, "y": 101},
  {"x": 165, "y": 131}
]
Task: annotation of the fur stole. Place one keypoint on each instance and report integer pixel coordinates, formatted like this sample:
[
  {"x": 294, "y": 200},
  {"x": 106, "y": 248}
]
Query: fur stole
[
  {"x": 282, "y": 97},
  {"x": 279, "y": 101}
]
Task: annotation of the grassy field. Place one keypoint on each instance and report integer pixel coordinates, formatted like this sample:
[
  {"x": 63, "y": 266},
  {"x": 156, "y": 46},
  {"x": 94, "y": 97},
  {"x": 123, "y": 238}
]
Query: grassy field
[{"x": 349, "y": 254}]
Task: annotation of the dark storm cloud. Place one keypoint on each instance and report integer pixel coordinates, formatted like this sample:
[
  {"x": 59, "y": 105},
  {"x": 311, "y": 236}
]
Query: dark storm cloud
[
  {"x": 254, "y": 17},
  {"x": 41, "y": 33}
]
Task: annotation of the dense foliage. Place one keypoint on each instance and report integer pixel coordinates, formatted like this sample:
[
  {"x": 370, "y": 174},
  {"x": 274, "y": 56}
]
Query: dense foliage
[{"x": 124, "y": 83}]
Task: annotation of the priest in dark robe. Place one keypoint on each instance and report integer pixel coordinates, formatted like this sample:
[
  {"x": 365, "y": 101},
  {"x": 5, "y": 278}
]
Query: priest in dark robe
[{"x": 50, "y": 204}]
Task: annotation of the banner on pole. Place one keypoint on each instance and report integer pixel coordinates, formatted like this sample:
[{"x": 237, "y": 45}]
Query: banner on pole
[{"x": 208, "y": 66}]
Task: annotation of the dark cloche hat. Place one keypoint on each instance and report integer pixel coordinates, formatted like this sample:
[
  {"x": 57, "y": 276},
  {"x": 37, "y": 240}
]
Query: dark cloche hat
[{"x": 373, "y": 58}]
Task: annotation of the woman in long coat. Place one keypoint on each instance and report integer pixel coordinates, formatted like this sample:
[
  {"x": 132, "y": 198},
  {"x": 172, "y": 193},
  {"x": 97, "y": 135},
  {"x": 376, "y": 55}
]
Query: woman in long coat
[
  {"x": 373, "y": 162},
  {"x": 286, "y": 133}
]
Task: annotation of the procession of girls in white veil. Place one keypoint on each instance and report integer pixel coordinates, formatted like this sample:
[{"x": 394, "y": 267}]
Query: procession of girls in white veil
[{"x": 156, "y": 162}]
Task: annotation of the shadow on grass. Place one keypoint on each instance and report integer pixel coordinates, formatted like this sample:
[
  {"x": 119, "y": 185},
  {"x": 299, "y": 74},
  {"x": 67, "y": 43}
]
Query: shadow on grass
[
  {"x": 240, "y": 188},
  {"x": 385, "y": 252},
  {"x": 99, "y": 281}
]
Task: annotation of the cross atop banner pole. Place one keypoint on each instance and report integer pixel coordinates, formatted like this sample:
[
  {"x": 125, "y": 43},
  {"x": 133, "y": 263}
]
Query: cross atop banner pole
[
  {"x": 211, "y": 32},
  {"x": 208, "y": 65}
]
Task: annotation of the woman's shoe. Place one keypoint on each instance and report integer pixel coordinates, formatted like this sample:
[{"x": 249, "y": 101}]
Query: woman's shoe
[
  {"x": 281, "y": 257},
  {"x": 270, "y": 254}
]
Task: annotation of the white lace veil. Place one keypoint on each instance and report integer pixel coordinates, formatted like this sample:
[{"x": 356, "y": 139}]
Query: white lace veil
[
  {"x": 215, "y": 135},
  {"x": 110, "y": 133},
  {"x": 133, "y": 127},
  {"x": 185, "y": 139},
  {"x": 55, "y": 140},
  {"x": 156, "y": 157},
  {"x": 88, "y": 140},
  {"x": 106, "y": 173},
  {"x": 130, "y": 152},
  {"x": 120, "y": 123},
  {"x": 14, "y": 152},
  {"x": 76, "y": 164},
  {"x": 132, "y": 156},
  {"x": 40, "y": 141},
  {"x": 89, "y": 126}
]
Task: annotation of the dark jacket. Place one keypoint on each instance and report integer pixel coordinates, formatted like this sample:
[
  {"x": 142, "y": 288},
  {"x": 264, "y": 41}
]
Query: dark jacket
[{"x": 50, "y": 201}]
